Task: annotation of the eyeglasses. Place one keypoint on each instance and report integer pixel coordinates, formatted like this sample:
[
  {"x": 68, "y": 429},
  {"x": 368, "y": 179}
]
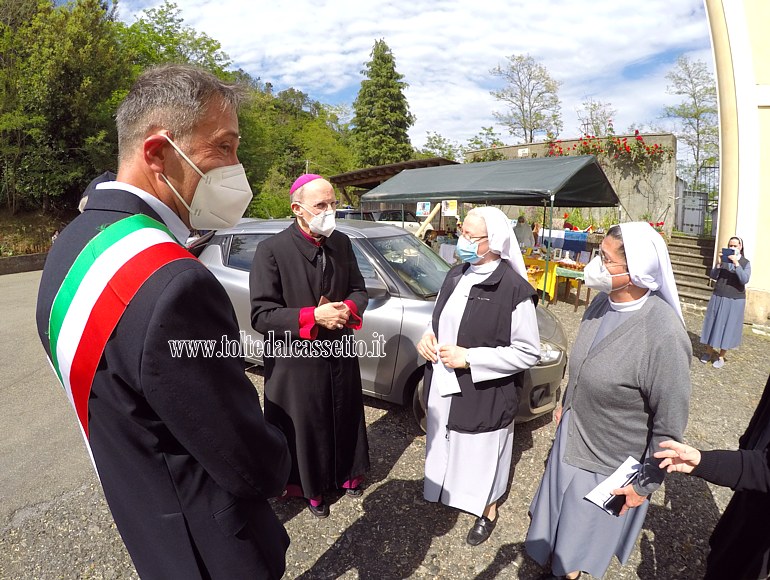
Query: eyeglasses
[
  {"x": 471, "y": 239},
  {"x": 607, "y": 262},
  {"x": 321, "y": 206}
]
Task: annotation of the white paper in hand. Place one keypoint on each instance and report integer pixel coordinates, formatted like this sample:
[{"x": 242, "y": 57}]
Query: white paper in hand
[
  {"x": 444, "y": 378},
  {"x": 620, "y": 478}
]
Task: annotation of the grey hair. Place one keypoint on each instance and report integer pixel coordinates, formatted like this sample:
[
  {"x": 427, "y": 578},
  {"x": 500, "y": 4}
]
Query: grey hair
[
  {"x": 617, "y": 234},
  {"x": 174, "y": 97},
  {"x": 473, "y": 212},
  {"x": 296, "y": 197}
]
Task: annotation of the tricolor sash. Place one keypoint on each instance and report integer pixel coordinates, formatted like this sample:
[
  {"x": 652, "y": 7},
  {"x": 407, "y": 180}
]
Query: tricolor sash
[{"x": 95, "y": 293}]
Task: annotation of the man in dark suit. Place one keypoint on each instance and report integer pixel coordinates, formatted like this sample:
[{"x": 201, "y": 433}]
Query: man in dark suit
[
  {"x": 176, "y": 434},
  {"x": 305, "y": 282}
]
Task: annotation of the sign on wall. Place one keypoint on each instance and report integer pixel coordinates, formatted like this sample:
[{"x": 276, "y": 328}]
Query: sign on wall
[
  {"x": 449, "y": 208},
  {"x": 423, "y": 208}
]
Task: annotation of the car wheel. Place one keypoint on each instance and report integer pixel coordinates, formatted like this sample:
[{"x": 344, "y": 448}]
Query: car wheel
[{"x": 418, "y": 406}]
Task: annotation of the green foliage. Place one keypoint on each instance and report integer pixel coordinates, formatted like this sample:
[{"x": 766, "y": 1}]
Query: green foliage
[
  {"x": 481, "y": 147},
  {"x": 272, "y": 201},
  {"x": 382, "y": 118},
  {"x": 56, "y": 121},
  {"x": 439, "y": 146},
  {"x": 598, "y": 219},
  {"x": 160, "y": 36},
  {"x": 531, "y": 96},
  {"x": 634, "y": 155},
  {"x": 696, "y": 116},
  {"x": 65, "y": 69}
]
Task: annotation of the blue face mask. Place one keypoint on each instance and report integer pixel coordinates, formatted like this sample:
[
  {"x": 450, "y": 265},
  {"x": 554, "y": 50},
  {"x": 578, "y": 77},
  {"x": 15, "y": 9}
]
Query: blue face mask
[{"x": 468, "y": 251}]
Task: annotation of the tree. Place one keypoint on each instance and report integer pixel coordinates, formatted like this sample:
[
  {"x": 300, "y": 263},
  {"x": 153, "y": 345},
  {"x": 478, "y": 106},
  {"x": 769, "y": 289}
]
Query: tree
[
  {"x": 272, "y": 199},
  {"x": 595, "y": 117},
  {"x": 381, "y": 112},
  {"x": 160, "y": 36},
  {"x": 696, "y": 115},
  {"x": 532, "y": 97},
  {"x": 16, "y": 17},
  {"x": 69, "y": 81},
  {"x": 437, "y": 145},
  {"x": 483, "y": 145}
]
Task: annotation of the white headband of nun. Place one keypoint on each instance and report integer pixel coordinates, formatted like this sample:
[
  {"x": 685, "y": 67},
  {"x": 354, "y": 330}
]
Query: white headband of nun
[
  {"x": 649, "y": 265},
  {"x": 501, "y": 238}
]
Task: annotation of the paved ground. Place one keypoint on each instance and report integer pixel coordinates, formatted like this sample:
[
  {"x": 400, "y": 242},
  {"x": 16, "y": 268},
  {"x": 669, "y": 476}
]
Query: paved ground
[{"x": 54, "y": 522}]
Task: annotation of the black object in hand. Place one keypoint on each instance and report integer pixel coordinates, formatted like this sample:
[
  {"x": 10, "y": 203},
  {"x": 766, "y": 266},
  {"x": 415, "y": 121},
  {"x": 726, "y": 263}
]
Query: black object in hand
[
  {"x": 615, "y": 504},
  {"x": 726, "y": 253}
]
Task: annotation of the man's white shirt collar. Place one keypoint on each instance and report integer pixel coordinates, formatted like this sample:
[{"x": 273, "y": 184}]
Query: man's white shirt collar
[{"x": 165, "y": 213}]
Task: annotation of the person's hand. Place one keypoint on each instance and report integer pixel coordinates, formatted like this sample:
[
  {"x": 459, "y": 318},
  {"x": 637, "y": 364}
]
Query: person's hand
[
  {"x": 332, "y": 315},
  {"x": 633, "y": 499},
  {"x": 677, "y": 457},
  {"x": 427, "y": 347},
  {"x": 557, "y": 414},
  {"x": 734, "y": 258},
  {"x": 452, "y": 356}
]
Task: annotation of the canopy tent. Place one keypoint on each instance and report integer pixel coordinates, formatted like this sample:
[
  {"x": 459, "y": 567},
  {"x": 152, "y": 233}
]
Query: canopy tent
[
  {"x": 572, "y": 181},
  {"x": 566, "y": 181}
]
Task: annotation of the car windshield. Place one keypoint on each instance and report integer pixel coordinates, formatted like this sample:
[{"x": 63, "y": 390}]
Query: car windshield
[{"x": 417, "y": 265}]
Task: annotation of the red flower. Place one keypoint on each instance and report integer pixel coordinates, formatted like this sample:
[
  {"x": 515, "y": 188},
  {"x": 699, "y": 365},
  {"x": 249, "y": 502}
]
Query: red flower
[{"x": 566, "y": 215}]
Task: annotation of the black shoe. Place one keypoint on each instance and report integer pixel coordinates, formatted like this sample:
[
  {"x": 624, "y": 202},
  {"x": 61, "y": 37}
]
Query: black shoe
[
  {"x": 481, "y": 530},
  {"x": 354, "y": 491},
  {"x": 320, "y": 511}
]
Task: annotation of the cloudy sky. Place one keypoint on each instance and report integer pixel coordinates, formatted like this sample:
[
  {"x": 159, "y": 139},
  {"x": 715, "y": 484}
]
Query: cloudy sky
[{"x": 608, "y": 50}]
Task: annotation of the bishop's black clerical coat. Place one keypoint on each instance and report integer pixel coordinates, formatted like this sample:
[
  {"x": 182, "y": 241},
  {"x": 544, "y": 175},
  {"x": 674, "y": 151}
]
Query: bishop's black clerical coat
[{"x": 315, "y": 400}]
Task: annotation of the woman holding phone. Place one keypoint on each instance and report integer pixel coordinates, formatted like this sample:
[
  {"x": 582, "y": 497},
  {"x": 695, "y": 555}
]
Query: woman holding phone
[
  {"x": 628, "y": 390},
  {"x": 723, "y": 325}
]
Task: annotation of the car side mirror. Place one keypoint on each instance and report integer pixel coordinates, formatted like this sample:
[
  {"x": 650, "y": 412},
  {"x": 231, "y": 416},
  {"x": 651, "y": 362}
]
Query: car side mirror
[{"x": 376, "y": 289}]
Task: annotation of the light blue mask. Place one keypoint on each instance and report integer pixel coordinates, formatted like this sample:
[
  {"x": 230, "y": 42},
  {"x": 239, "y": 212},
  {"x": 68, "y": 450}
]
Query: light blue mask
[{"x": 468, "y": 251}]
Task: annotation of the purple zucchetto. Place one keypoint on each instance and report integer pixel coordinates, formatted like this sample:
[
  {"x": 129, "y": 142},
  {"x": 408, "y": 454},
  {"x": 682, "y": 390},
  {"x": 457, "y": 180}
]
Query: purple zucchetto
[{"x": 302, "y": 180}]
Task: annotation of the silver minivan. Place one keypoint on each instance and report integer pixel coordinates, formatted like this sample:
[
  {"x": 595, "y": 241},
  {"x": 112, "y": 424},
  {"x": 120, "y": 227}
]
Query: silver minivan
[{"x": 403, "y": 277}]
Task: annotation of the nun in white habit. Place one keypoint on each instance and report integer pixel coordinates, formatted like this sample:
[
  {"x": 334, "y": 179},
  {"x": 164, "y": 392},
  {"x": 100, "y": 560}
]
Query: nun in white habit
[{"x": 483, "y": 336}]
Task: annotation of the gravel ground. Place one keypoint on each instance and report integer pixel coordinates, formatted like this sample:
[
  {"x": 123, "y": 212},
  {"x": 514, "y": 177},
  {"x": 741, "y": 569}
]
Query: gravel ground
[{"x": 391, "y": 532}]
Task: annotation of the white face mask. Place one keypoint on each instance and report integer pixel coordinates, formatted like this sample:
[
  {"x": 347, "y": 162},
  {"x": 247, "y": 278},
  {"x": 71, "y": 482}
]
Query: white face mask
[
  {"x": 323, "y": 223},
  {"x": 221, "y": 197},
  {"x": 597, "y": 277}
]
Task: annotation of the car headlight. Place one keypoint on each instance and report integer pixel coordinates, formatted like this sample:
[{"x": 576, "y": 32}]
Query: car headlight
[{"x": 549, "y": 353}]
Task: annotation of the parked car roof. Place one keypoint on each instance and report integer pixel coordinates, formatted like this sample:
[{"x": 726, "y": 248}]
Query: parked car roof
[{"x": 352, "y": 228}]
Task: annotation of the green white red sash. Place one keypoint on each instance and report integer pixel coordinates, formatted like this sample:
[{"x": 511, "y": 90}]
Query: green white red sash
[{"x": 103, "y": 279}]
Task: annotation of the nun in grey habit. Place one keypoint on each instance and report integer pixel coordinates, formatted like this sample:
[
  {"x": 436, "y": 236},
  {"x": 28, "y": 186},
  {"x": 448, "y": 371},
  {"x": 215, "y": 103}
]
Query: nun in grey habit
[
  {"x": 483, "y": 336},
  {"x": 628, "y": 390}
]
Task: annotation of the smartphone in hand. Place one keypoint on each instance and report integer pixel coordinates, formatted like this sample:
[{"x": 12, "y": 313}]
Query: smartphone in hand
[{"x": 615, "y": 503}]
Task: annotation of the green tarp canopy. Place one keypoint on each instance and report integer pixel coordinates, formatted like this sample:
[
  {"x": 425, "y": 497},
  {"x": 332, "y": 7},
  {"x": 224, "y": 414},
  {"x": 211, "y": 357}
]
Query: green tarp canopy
[{"x": 573, "y": 181}]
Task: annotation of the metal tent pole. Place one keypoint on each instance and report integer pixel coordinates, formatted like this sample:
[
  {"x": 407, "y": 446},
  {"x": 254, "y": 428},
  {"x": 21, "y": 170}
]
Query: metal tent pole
[{"x": 548, "y": 248}]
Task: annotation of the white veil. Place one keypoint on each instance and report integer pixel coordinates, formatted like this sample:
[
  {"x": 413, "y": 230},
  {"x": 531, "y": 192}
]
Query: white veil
[
  {"x": 649, "y": 265},
  {"x": 501, "y": 238}
]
